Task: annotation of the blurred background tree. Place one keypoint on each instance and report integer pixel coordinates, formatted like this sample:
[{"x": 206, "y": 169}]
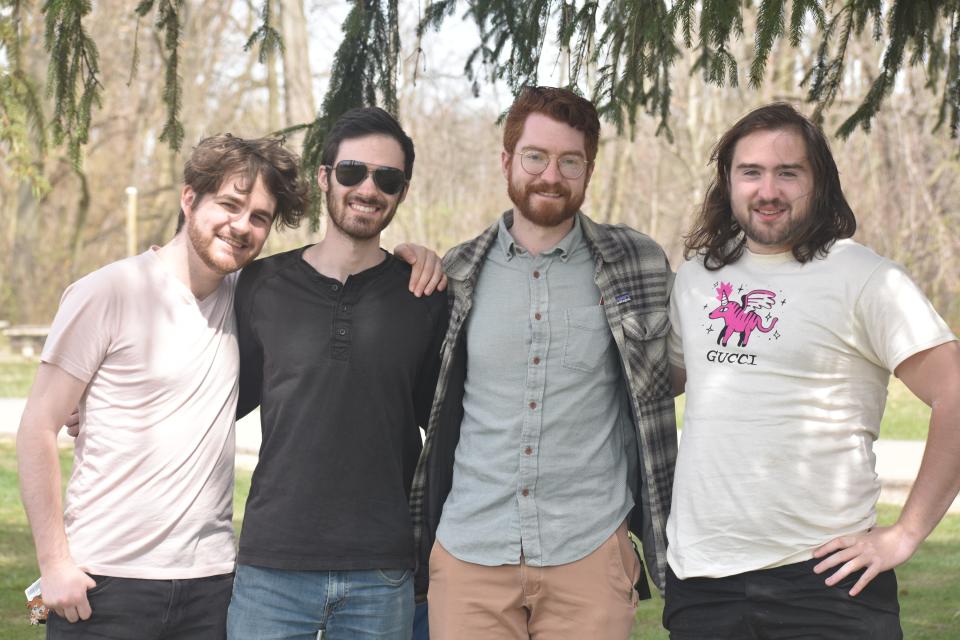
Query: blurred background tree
[{"x": 96, "y": 97}]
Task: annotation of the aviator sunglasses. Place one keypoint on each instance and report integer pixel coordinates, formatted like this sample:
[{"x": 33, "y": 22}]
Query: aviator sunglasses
[{"x": 350, "y": 173}]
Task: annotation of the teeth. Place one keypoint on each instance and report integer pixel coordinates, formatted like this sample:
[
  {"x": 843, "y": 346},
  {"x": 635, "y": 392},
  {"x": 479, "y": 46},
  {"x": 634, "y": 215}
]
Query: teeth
[
  {"x": 233, "y": 243},
  {"x": 365, "y": 208}
]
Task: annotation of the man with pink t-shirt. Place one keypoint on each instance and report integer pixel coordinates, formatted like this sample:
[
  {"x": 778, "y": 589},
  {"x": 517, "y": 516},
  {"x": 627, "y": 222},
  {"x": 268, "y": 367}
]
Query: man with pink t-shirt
[{"x": 147, "y": 347}]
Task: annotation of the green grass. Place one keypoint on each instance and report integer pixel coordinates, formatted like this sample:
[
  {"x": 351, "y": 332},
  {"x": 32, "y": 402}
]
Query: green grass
[
  {"x": 16, "y": 377},
  {"x": 929, "y": 583}
]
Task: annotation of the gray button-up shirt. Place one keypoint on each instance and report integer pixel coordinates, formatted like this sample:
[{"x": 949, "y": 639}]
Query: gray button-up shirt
[{"x": 541, "y": 466}]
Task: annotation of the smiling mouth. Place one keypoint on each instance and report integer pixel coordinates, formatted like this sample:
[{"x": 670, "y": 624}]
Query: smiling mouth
[
  {"x": 769, "y": 211},
  {"x": 364, "y": 207},
  {"x": 232, "y": 242}
]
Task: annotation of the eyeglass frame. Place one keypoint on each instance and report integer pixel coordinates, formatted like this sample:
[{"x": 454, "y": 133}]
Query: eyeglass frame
[
  {"x": 550, "y": 157},
  {"x": 370, "y": 173}
]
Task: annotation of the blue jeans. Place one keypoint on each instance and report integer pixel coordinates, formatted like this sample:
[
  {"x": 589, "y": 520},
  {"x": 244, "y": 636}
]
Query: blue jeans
[{"x": 274, "y": 604}]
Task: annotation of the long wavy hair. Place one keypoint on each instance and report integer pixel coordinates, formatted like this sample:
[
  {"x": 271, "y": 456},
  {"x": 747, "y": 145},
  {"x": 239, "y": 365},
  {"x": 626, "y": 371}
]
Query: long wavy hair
[{"x": 717, "y": 236}]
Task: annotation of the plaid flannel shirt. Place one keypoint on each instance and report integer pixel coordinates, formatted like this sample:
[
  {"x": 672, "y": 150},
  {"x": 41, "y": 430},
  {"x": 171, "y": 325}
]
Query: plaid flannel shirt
[{"x": 634, "y": 279}]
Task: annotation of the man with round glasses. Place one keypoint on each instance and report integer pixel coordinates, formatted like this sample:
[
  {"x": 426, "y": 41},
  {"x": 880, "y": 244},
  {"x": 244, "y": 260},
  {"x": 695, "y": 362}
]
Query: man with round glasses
[
  {"x": 552, "y": 431},
  {"x": 342, "y": 359}
]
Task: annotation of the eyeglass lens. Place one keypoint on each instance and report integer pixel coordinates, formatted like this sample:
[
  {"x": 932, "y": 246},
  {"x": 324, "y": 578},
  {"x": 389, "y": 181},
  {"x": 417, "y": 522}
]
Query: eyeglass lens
[
  {"x": 390, "y": 180},
  {"x": 536, "y": 162}
]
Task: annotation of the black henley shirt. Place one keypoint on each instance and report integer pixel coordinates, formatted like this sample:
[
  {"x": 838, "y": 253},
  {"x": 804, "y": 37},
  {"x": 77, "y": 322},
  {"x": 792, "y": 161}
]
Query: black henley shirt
[{"x": 344, "y": 374}]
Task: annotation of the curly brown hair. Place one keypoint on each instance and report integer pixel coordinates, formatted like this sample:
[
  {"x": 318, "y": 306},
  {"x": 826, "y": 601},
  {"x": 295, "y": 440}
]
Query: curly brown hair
[
  {"x": 560, "y": 104},
  {"x": 717, "y": 236},
  {"x": 220, "y": 157}
]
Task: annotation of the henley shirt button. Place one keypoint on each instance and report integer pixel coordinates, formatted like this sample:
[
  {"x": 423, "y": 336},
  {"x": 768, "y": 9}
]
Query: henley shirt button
[
  {"x": 344, "y": 308},
  {"x": 536, "y": 274},
  {"x": 334, "y": 287},
  {"x": 533, "y": 405},
  {"x": 528, "y": 450},
  {"x": 525, "y": 493},
  {"x": 341, "y": 332},
  {"x": 536, "y": 360},
  {"x": 537, "y": 315}
]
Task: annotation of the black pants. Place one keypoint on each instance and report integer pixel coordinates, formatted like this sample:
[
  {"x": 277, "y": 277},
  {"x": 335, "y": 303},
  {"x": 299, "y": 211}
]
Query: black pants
[
  {"x": 130, "y": 609},
  {"x": 785, "y": 602}
]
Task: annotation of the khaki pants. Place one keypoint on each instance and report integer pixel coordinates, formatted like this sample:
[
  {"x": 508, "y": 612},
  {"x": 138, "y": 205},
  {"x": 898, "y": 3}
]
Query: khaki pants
[{"x": 590, "y": 598}]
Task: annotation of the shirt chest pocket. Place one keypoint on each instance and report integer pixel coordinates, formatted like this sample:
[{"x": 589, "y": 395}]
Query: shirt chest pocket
[{"x": 586, "y": 338}]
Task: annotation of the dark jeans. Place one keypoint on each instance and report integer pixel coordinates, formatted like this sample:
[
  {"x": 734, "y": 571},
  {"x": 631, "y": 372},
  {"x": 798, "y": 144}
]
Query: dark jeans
[
  {"x": 128, "y": 609},
  {"x": 785, "y": 602}
]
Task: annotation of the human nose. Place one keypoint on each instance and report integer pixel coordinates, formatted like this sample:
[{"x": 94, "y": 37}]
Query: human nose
[
  {"x": 552, "y": 171},
  {"x": 767, "y": 189},
  {"x": 241, "y": 222},
  {"x": 367, "y": 185}
]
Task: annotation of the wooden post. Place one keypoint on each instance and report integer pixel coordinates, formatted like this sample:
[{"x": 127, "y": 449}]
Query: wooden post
[{"x": 132, "y": 221}]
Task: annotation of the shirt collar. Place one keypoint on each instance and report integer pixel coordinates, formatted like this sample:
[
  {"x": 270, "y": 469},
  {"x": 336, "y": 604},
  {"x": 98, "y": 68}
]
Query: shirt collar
[{"x": 567, "y": 245}]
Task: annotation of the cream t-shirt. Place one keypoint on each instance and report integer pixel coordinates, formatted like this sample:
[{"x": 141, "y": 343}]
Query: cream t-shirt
[
  {"x": 152, "y": 485},
  {"x": 787, "y": 369}
]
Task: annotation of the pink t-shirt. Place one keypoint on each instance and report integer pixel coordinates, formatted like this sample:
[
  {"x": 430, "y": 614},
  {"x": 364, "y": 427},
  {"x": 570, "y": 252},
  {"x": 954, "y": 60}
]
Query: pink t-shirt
[{"x": 152, "y": 485}]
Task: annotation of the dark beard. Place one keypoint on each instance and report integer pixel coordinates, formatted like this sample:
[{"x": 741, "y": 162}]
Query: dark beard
[{"x": 338, "y": 218}]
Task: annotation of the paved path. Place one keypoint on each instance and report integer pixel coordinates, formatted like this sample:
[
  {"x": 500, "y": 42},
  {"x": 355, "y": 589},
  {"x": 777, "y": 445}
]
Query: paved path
[{"x": 897, "y": 460}]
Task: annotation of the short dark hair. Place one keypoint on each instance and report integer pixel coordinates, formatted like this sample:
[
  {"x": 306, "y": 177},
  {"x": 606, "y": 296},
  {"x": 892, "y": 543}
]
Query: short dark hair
[
  {"x": 220, "y": 157},
  {"x": 562, "y": 105},
  {"x": 717, "y": 236},
  {"x": 364, "y": 121}
]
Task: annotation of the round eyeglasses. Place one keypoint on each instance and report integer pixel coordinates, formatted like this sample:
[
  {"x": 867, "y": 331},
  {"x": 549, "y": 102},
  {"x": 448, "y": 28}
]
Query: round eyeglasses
[{"x": 570, "y": 165}]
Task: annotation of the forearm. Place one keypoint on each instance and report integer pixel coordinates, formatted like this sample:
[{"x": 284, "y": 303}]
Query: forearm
[
  {"x": 938, "y": 480},
  {"x": 39, "y": 471}
]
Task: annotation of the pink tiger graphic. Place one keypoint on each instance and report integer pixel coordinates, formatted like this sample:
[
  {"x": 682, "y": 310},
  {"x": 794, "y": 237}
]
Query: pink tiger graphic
[{"x": 740, "y": 318}]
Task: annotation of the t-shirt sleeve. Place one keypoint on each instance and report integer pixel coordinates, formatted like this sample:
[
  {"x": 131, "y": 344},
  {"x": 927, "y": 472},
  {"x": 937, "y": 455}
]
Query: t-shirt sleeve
[
  {"x": 80, "y": 335},
  {"x": 674, "y": 340},
  {"x": 897, "y": 318}
]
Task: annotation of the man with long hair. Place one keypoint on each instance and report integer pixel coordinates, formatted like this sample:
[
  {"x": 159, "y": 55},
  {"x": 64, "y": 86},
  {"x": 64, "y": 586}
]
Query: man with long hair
[
  {"x": 552, "y": 431},
  {"x": 784, "y": 334}
]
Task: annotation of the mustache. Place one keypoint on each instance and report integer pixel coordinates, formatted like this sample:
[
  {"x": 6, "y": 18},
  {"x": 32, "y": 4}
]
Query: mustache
[
  {"x": 773, "y": 202},
  {"x": 550, "y": 187},
  {"x": 368, "y": 200}
]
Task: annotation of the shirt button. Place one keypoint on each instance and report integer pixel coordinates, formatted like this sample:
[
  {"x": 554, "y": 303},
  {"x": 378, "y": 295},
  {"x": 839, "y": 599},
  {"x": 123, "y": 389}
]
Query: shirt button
[
  {"x": 525, "y": 493},
  {"x": 334, "y": 287},
  {"x": 344, "y": 308},
  {"x": 533, "y": 405},
  {"x": 536, "y": 274},
  {"x": 537, "y": 315},
  {"x": 341, "y": 332},
  {"x": 536, "y": 360},
  {"x": 528, "y": 450}
]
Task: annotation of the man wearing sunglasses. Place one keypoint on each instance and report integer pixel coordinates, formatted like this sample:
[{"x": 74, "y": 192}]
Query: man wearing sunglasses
[
  {"x": 552, "y": 431},
  {"x": 342, "y": 359}
]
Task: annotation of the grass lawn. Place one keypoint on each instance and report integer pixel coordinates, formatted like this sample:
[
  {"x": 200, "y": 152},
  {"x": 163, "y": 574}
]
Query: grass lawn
[
  {"x": 16, "y": 376},
  {"x": 929, "y": 583}
]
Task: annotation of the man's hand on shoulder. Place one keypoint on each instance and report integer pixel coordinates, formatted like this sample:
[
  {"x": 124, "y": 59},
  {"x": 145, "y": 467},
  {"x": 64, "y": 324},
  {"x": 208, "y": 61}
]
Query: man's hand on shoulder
[
  {"x": 876, "y": 551},
  {"x": 426, "y": 276},
  {"x": 64, "y": 591}
]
